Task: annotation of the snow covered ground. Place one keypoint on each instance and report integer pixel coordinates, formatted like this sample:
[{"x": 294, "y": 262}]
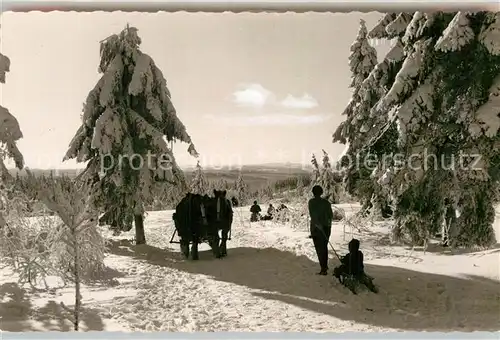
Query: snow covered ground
[{"x": 267, "y": 283}]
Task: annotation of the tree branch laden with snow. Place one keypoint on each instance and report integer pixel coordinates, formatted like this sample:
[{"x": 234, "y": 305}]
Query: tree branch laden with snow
[
  {"x": 456, "y": 35},
  {"x": 397, "y": 27},
  {"x": 379, "y": 31},
  {"x": 445, "y": 103},
  {"x": 490, "y": 36},
  {"x": 487, "y": 117}
]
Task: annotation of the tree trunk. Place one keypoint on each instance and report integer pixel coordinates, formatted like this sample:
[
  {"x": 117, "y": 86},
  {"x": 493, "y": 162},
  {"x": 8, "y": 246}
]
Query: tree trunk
[
  {"x": 365, "y": 208},
  {"x": 397, "y": 232},
  {"x": 140, "y": 237},
  {"x": 376, "y": 210},
  {"x": 76, "y": 277}
]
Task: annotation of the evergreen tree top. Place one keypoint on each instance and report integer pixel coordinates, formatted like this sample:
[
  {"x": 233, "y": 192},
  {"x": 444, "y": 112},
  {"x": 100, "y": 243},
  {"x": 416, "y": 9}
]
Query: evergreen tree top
[
  {"x": 131, "y": 91},
  {"x": 363, "y": 57},
  {"x": 129, "y": 115},
  {"x": 199, "y": 184}
]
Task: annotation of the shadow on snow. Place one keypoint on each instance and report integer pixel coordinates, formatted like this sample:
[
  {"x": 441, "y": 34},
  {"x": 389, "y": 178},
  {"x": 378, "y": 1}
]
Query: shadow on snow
[
  {"x": 17, "y": 313},
  {"x": 408, "y": 300}
]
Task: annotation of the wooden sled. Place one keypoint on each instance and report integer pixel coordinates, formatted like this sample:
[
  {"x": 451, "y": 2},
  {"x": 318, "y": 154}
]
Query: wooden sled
[
  {"x": 203, "y": 241},
  {"x": 351, "y": 283}
]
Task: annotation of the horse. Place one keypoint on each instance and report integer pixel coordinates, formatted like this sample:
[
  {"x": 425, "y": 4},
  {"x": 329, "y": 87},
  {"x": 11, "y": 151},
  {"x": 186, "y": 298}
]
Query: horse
[
  {"x": 220, "y": 217},
  {"x": 199, "y": 218},
  {"x": 192, "y": 224}
]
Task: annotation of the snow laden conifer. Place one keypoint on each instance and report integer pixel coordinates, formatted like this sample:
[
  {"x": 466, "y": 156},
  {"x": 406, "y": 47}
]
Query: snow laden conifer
[
  {"x": 327, "y": 180},
  {"x": 316, "y": 172},
  {"x": 128, "y": 119},
  {"x": 370, "y": 81},
  {"x": 241, "y": 190},
  {"x": 362, "y": 60},
  {"x": 199, "y": 184},
  {"x": 76, "y": 242},
  {"x": 444, "y": 101},
  {"x": 10, "y": 133},
  {"x": 221, "y": 184}
]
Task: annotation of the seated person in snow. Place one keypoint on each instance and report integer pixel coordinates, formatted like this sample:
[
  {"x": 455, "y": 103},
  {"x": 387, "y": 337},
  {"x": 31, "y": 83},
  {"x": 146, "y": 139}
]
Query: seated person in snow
[
  {"x": 255, "y": 210},
  {"x": 270, "y": 212},
  {"x": 352, "y": 267}
]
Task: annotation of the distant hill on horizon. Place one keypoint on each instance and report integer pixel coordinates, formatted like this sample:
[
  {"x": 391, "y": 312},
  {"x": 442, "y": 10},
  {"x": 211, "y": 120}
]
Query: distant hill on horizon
[
  {"x": 264, "y": 167},
  {"x": 255, "y": 175}
]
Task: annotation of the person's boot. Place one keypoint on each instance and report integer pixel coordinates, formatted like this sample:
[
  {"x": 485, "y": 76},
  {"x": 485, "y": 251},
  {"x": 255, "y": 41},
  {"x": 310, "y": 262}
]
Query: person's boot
[{"x": 323, "y": 272}]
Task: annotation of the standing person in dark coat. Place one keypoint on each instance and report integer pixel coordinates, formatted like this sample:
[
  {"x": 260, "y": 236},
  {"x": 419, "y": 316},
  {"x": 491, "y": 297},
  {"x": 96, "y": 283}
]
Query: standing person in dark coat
[
  {"x": 321, "y": 214},
  {"x": 255, "y": 210}
]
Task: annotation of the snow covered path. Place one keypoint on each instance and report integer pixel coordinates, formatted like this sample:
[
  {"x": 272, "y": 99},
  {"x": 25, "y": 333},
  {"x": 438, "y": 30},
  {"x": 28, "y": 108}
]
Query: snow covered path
[{"x": 267, "y": 283}]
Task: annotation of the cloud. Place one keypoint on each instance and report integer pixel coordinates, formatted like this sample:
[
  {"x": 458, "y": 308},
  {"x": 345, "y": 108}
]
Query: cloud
[
  {"x": 253, "y": 95},
  {"x": 257, "y": 96},
  {"x": 304, "y": 102},
  {"x": 274, "y": 119}
]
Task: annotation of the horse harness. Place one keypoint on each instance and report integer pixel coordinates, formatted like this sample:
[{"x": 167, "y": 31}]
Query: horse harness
[{"x": 203, "y": 214}]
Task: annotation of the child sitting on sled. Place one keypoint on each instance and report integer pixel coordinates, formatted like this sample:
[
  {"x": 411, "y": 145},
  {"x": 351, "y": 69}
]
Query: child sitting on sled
[{"x": 351, "y": 271}]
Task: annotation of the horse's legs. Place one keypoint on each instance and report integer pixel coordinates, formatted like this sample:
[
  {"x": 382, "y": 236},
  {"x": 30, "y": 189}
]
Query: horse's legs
[
  {"x": 185, "y": 248},
  {"x": 183, "y": 240},
  {"x": 194, "y": 247},
  {"x": 223, "y": 243},
  {"x": 214, "y": 242}
]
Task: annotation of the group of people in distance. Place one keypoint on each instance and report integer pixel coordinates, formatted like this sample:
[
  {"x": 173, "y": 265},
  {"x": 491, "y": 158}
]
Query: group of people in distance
[
  {"x": 351, "y": 269},
  {"x": 255, "y": 211}
]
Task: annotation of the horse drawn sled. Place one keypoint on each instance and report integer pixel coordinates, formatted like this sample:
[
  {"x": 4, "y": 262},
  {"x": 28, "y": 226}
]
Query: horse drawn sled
[{"x": 199, "y": 219}]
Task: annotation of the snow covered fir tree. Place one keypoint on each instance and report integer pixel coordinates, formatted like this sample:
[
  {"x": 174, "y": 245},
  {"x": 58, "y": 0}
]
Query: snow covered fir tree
[
  {"x": 434, "y": 102},
  {"x": 369, "y": 81},
  {"x": 316, "y": 171},
  {"x": 10, "y": 131},
  {"x": 128, "y": 120},
  {"x": 199, "y": 183},
  {"x": 241, "y": 189}
]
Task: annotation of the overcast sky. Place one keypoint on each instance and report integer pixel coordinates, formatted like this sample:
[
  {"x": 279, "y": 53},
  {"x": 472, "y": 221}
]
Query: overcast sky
[{"x": 251, "y": 88}]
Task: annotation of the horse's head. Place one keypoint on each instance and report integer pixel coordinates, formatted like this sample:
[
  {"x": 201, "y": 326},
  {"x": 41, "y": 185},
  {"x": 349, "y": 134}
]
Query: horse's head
[
  {"x": 187, "y": 196},
  {"x": 199, "y": 205},
  {"x": 220, "y": 193},
  {"x": 221, "y": 203},
  {"x": 206, "y": 200},
  {"x": 197, "y": 199}
]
